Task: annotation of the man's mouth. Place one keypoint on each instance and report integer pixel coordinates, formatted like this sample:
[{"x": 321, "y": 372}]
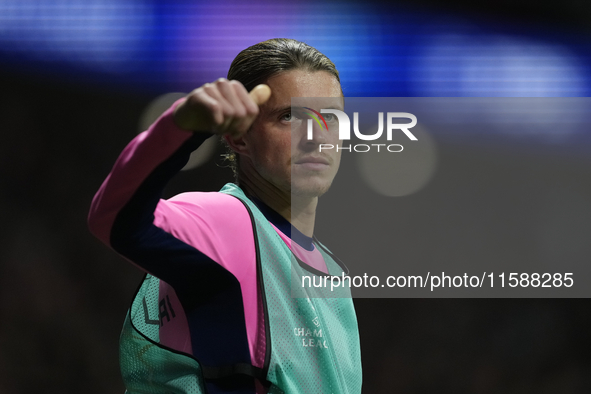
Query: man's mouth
[{"x": 313, "y": 162}]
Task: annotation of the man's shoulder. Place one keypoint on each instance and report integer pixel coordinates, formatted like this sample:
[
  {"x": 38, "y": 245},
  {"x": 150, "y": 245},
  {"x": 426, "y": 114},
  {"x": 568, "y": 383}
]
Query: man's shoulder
[
  {"x": 205, "y": 220},
  {"x": 210, "y": 206},
  {"x": 210, "y": 199}
]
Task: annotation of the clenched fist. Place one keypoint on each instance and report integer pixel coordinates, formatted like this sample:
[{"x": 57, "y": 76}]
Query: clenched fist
[{"x": 221, "y": 107}]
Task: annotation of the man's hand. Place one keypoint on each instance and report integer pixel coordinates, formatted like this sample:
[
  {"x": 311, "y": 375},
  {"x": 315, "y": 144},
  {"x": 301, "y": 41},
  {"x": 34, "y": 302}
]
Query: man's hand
[{"x": 222, "y": 107}]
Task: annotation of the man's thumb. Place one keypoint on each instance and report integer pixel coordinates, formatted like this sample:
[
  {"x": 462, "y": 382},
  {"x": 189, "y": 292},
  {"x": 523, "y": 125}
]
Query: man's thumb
[{"x": 260, "y": 94}]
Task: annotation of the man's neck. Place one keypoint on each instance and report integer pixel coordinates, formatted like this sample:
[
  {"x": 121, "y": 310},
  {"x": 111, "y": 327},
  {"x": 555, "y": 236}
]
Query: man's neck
[
  {"x": 303, "y": 214},
  {"x": 299, "y": 211}
]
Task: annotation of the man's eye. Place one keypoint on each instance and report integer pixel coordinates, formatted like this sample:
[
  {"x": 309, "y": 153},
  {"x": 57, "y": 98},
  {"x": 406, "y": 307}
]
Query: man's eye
[
  {"x": 329, "y": 117},
  {"x": 287, "y": 117}
]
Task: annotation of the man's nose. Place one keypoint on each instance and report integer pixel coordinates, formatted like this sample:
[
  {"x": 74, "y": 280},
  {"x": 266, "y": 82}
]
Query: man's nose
[{"x": 315, "y": 132}]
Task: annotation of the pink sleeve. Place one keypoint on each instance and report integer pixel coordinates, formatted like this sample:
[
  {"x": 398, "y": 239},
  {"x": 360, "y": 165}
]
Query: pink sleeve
[
  {"x": 219, "y": 226},
  {"x": 215, "y": 224},
  {"x": 138, "y": 160}
]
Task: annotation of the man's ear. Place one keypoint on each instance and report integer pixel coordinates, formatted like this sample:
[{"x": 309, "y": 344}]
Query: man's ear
[{"x": 237, "y": 144}]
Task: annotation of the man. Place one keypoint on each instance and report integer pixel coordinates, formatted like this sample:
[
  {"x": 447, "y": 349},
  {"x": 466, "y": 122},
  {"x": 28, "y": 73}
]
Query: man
[{"x": 215, "y": 312}]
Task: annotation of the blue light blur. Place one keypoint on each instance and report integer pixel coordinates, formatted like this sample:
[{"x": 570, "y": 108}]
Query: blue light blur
[{"x": 379, "y": 49}]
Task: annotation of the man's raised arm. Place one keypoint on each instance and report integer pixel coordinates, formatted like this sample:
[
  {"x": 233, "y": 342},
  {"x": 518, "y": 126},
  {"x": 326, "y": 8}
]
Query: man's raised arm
[{"x": 150, "y": 160}]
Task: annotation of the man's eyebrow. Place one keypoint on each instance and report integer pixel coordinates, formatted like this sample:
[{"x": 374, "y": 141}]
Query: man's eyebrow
[
  {"x": 300, "y": 108},
  {"x": 282, "y": 109}
]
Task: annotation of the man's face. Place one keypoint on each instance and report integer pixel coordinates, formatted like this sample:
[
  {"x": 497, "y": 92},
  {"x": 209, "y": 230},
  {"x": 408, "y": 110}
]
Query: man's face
[{"x": 279, "y": 149}]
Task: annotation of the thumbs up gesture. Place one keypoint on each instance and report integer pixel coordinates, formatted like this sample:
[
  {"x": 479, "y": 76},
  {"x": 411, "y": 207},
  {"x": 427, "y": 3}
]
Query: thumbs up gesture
[{"x": 221, "y": 107}]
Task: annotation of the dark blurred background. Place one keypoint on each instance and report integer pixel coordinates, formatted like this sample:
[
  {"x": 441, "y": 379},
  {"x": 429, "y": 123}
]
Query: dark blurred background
[{"x": 77, "y": 77}]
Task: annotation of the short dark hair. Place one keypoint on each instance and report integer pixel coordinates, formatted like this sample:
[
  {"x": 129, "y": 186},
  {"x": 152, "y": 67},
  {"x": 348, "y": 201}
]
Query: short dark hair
[{"x": 258, "y": 63}]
